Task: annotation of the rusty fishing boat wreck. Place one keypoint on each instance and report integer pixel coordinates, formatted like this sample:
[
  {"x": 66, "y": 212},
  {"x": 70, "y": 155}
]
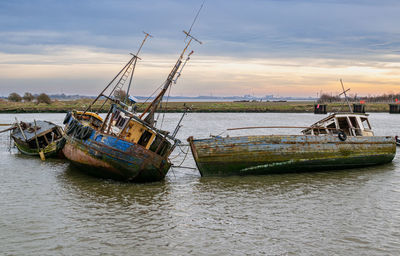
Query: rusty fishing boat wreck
[
  {"x": 339, "y": 141},
  {"x": 125, "y": 145},
  {"x": 38, "y": 138}
]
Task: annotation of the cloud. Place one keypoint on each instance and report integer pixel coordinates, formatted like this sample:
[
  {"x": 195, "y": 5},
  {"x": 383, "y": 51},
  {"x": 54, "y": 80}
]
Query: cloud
[
  {"x": 286, "y": 46},
  {"x": 87, "y": 70}
]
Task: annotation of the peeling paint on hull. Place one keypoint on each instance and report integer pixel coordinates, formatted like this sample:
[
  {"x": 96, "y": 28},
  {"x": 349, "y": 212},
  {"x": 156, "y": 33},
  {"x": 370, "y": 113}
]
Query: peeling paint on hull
[
  {"x": 51, "y": 150},
  {"x": 255, "y": 155},
  {"x": 108, "y": 157}
]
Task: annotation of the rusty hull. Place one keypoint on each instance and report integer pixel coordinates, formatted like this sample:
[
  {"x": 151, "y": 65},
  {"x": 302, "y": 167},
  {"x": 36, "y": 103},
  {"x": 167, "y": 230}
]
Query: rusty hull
[
  {"x": 254, "y": 155},
  {"x": 106, "y": 156},
  {"x": 100, "y": 159}
]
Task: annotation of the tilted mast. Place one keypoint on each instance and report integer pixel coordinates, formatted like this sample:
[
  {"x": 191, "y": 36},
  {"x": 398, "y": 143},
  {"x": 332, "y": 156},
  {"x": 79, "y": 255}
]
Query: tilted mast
[
  {"x": 345, "y": 96},
  {"x": 154, "y": 105},
  {"x": 129, "y": 67}
]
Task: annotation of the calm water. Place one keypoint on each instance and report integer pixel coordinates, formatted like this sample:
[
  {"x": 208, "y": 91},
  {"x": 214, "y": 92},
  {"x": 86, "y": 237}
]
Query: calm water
[{"x": 50, "y": 208}]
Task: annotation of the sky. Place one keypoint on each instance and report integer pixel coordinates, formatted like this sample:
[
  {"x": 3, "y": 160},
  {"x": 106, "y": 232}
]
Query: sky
[{"x": 256, "y": 47}]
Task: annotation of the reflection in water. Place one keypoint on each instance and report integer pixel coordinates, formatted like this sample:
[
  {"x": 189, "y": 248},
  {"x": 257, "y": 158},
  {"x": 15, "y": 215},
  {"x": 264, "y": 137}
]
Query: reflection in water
[
  {"x": 85, "y": 186},
  {"x": 51, "y": 208},
  {"x": 282, "y": 183}
]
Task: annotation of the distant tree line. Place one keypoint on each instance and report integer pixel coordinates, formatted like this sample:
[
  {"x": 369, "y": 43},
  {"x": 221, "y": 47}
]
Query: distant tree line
[
  {"x": 29, "y": 97},
  {"x": 120, "y": 94},
  {"x": 325, "y": 98},
  {"x": 44, "y": 98}
]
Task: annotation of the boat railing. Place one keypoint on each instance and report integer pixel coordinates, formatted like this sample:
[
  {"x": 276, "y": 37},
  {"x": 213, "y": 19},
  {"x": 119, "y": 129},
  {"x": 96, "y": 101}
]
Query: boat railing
[
  {"x": 288, "y": 127},
  {"x": 312, "y": 130}
]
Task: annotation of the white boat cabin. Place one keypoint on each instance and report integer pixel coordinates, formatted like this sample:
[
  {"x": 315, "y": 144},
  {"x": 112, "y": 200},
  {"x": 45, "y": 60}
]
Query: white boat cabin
[{"x": 352, "y": 124}]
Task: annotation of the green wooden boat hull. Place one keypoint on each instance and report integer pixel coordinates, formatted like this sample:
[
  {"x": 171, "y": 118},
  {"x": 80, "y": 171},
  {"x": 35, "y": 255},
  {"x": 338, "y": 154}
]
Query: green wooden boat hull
[
  {"x": 52, "y": 150},
  {"x": 257, "y": 155}
]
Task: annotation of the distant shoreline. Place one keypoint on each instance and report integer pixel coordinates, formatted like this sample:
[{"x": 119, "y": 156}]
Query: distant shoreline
[{"x": 197, "y": 107}]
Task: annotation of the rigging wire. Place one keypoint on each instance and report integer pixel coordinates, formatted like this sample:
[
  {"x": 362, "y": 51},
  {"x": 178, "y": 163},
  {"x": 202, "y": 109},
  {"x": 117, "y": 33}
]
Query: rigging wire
[
  {"x": 184, "y": 158},
  {"x": 126, "y": 71},
  {"x": 159, "y": 113},
  {"x": 152, "y": 94},
  {"x": 165, "y": 108},
  {"x": 180, "y": 147},
  {"x": 11, "y": 143},
  {"x": 174, "y": 157},
  {"x": 195, "y": 18}
]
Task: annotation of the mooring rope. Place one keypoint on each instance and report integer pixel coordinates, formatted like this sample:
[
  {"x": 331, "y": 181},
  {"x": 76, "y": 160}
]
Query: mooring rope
[
  {"x": 5, "y": 141},
  {"x": 184, "y": 158},
  {"x": 179, "y": 153},
  {"x": 184, "y": 167}
]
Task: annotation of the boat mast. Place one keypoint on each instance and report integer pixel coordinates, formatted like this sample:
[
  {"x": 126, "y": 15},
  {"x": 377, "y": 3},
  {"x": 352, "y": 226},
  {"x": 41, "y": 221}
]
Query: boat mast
[
  {"x": 128, "y": 66},
  {"x": 345, "y": 95},
  {"x": 134, "y": 65},
  {"x": 154, "y": 105}
]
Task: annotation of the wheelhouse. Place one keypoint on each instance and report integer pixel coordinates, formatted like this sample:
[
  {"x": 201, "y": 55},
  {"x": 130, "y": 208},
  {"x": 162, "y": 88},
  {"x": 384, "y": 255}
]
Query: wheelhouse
[
  {"x": 127, "y": 126},
  {"x": 351, "y": 124}
]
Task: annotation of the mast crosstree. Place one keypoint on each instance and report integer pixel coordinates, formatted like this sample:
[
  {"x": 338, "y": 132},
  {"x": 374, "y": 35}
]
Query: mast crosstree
[
  {"x": 345, "y": 95},
  {"x": 172, "y": 76}
]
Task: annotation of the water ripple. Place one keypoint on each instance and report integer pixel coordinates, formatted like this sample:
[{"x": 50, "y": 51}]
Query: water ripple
[{"x": 50, "y": 208}]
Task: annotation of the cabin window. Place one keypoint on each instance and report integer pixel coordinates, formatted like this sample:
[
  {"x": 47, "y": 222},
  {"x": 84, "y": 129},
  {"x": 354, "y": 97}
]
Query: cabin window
[
  {"x": 156, "y": 143},
  {"x": 331, "y": 128},
  {"x": 120, "y": 122},
  {"x": 344, "y": 125},
  {"x": 116, "y": 113},
  {"x": 41, "y": 140},
  {"x": 353, "y": 121},
  {"x": 160, "y": 146},
  {"x": 365, "y": 123},
  {"x": 144, "y": 139},
  {"x": 49, "y": 136}
]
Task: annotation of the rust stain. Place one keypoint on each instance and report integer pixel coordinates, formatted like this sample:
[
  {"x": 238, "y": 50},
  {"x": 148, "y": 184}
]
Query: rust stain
[{"x": 79, "y": 156}]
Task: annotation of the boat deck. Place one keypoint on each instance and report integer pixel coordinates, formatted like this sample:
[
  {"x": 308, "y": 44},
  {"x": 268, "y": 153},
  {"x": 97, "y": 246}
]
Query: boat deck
[{"x": 30, "y": 132}]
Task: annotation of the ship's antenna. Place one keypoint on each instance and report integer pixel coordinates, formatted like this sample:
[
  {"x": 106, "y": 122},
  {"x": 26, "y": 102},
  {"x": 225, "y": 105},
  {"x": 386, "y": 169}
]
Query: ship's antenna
[
  {"x": 345, "y": 95},
  {"x": 195, "y": 18}
]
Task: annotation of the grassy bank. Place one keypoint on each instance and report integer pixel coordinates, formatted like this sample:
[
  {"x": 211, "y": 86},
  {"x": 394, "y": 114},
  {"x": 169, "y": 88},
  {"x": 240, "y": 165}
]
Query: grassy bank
[{"x": 288, "y": 107}]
